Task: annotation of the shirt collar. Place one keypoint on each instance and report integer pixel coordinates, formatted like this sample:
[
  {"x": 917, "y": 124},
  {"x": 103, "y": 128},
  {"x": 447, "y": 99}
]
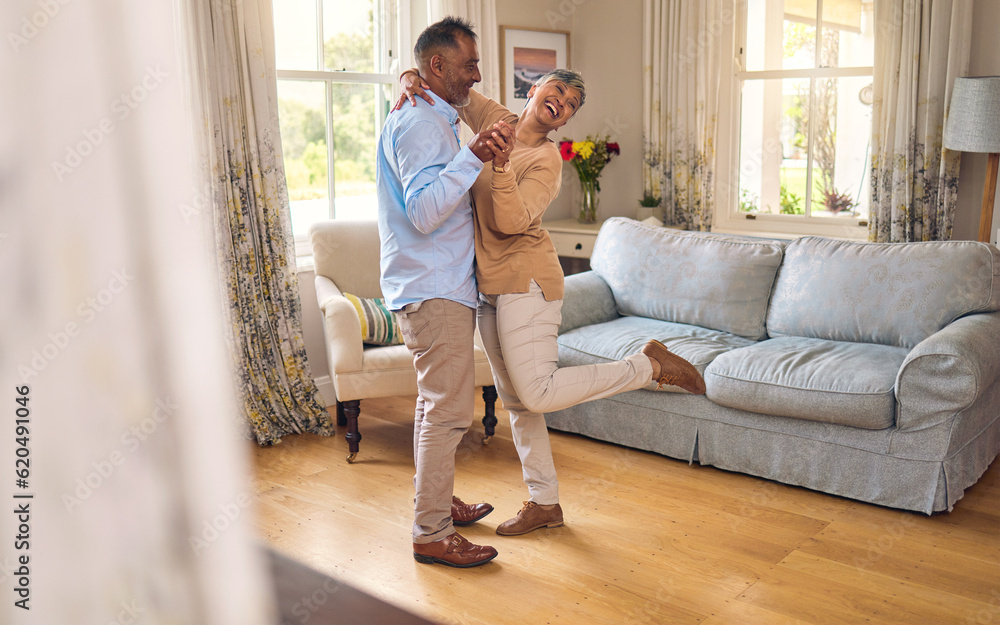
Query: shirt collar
[{"x": 442, "y": 108}]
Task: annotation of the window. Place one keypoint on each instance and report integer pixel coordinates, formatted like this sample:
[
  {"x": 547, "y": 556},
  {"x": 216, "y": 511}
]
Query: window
[
  {"x": 803, "y": 96},
  {"x": 336, "y": 69}
]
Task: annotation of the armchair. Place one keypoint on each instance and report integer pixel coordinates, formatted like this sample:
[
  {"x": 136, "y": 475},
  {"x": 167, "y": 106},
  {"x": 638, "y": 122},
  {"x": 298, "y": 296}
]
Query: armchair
[{"x": 346, "y": 257}]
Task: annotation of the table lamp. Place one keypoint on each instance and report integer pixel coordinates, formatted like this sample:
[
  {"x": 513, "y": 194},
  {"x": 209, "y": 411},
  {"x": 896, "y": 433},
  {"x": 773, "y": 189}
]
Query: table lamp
[{"x": 974, "y": 126}]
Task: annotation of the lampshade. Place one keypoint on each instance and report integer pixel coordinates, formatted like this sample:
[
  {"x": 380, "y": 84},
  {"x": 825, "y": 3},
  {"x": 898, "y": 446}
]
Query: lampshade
[{"x": 974, "y": 115}]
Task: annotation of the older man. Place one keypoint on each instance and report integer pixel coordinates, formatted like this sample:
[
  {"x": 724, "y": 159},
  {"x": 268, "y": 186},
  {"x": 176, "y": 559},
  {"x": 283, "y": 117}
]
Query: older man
[{"x": 427, "y": 246}]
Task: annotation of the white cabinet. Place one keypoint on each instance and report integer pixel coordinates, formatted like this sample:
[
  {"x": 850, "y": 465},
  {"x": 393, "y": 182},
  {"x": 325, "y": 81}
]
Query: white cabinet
[{"x": 574, "y": 242}]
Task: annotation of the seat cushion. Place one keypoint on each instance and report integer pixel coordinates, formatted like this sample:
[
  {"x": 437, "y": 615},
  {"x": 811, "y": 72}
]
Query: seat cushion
[
  {"x": 614, "y": 340},
  {"x": 388, "y": 371},
  {"x": 696, "y": 278},
  {"x": 814, "y": 379}
]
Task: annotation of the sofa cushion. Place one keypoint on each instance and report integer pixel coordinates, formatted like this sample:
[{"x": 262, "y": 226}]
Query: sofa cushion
[
  {"x": 716, "y": 282},
  {"x": 379, "y": 325},
  {"x": 614, "y": 340},
  {"x": 888, "y": 293},
  {"x": 815, "y": 379}
]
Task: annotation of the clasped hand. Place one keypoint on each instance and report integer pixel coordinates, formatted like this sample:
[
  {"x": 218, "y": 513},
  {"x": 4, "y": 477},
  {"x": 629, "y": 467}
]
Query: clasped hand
[{"x": 492, "y": 144}]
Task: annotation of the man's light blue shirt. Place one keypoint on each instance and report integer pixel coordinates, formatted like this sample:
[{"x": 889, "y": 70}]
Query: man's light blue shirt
[{"x": 425, "y": 213}]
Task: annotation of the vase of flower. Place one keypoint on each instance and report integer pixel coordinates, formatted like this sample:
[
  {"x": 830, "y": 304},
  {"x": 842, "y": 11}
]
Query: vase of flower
[
  {"x": 588, "y": 203},
  {"x": 589, "y": 158}
]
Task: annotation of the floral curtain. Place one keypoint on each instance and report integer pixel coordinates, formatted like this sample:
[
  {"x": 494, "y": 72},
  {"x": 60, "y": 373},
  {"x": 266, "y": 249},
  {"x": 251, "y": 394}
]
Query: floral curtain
[
  {"x": 681, "y": 74},
  {"x": 920, "y": 47},
  {"x": 233, "y": 64}
]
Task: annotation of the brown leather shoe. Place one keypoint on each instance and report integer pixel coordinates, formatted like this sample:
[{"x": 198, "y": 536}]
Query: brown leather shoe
[
  {"x": 466, "y": 514},
  {"x": 453, "y": 550},
  {"x": 674, "y": 370},
  {"x": 531, "y": 517}
]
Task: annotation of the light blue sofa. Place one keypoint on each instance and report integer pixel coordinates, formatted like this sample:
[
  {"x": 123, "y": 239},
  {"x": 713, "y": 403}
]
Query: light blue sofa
[{"x": 870, "y": 371}]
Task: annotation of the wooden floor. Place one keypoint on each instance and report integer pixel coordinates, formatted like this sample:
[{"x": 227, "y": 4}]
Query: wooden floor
[{"x": 647, "y": 539}]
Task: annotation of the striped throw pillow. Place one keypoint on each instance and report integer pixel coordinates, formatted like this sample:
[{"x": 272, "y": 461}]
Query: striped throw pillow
[{"x": 378, "y": 324}]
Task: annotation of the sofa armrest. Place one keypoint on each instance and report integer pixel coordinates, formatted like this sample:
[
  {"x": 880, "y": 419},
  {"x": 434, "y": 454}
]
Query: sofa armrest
[
  {"x": 325, "y": 291},
  {"x": 948, "y": 371},
  {"x": 587, "y": 300},
  {"x": 341, "y": 328}
]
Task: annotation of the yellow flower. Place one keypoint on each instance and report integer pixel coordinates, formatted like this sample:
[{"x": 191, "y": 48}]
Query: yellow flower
[{"x": 583, "y": 148}]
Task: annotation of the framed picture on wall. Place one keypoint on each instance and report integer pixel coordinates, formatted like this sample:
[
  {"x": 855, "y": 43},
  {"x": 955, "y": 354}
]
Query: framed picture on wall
[{"x": 525, "y": 55}]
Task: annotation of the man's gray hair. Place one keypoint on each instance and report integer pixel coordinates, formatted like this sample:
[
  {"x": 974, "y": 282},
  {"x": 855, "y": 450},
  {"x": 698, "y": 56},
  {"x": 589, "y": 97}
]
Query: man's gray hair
[
  {"x": 440, "y": 35},
  {"x": 569, "y": 78}
]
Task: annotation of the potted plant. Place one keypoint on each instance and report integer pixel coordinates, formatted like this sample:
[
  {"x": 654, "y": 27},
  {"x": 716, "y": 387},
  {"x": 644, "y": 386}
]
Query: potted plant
[
  {"x": 589, "y": 158},
  {"x": 649, "y": 200}
]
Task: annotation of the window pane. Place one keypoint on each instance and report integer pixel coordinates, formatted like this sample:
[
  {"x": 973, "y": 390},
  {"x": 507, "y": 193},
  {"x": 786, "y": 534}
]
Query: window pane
[
  {"x": 295, "y": 34},
  {"x": 783, "y": 38},
  {"x": 774, "y": 146},
  {"x": 782, "y": 35},
  {"x": 841, "y": 147},
  {"x": 356, "y": 123},
  {"x": 348, "y": 35},
  {"x": 302, "y": 120},
  {"x": 843, "y": 14},
  {"x": 856, "y": 45}
]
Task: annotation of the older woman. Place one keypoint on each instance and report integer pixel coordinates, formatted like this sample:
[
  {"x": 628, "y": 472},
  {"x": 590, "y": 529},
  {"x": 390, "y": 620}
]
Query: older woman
[{"x": 520, "y": 282}]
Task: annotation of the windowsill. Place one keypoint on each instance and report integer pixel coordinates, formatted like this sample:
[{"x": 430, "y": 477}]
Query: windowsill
[
  {"x": 782, "y": 229},
  {"x": 304, "y": 264},
  {"x": 862, "y": 235}
]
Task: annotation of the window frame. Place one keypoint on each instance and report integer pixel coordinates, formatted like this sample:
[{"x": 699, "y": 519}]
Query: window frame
[
  {"x": 728, "y": 218},
  {"x": 392, "y": 17}
]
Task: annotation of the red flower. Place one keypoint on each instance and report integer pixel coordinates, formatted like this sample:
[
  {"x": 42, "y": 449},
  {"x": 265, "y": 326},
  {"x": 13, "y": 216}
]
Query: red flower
[
  {"x": 566, "y": 149},
  {"x": 614, "y": 149}
]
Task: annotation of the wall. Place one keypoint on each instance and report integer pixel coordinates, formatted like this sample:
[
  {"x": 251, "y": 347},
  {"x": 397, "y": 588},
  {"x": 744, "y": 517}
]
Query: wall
[
  {"x": 984, "y": 61},
  {"x": 606, "y": 46},
  {"x": 312, "y": 334}
]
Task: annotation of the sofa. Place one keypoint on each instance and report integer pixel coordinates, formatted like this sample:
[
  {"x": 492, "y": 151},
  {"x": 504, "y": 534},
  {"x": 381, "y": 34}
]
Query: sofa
[{"x": 865, "y": 370}]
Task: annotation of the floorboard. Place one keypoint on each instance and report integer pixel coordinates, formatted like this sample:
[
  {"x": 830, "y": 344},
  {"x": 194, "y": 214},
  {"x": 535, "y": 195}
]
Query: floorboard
[{"x": 647, "y": 539}]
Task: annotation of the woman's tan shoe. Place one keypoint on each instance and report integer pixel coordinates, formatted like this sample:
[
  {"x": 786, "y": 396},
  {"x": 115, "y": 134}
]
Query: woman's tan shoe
[
  {"x": 674, "y": 370},
  {"x": 531, "y": 517}
]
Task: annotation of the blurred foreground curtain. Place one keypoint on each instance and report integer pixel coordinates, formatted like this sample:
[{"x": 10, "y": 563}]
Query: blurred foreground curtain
[
  {"x": 136, "y": 494},
  {"x": 681, "y": 74},
  {"x": 920, "y": 47},
  {"x": 233, "y": 67}
]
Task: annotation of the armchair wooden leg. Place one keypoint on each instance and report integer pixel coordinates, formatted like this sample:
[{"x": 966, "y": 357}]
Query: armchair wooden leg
[
  {"x": 490, "y": 418},
  {"x": 341, "y": 419},
  {"x": 351, "y": 410}
]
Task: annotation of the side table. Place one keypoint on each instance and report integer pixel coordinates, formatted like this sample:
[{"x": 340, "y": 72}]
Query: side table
[{"x": 574, "y": 243}]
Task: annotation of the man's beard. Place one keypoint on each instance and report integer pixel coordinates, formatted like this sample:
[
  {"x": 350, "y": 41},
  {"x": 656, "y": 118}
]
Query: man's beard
[{"x": 455, "y": 90}]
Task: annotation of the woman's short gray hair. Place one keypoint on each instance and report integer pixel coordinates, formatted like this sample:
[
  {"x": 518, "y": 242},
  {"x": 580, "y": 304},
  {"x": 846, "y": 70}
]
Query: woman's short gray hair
[{"x": 569, "y": 78}]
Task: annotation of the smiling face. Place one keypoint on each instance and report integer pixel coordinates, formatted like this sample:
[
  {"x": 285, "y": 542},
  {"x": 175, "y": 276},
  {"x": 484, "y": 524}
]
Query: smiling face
[
  {"x": 460, "y": 71},
  {"x": 553, "y": 104}
]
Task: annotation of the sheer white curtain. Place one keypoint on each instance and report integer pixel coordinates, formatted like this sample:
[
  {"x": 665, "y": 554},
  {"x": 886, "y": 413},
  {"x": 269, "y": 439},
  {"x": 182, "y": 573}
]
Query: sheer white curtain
[
  {"x": 920, "y": 47},
  {"x": 483, "y": 15},
  {"x": 681, "y": 76},
  {"x": 110, "y": 314}
]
